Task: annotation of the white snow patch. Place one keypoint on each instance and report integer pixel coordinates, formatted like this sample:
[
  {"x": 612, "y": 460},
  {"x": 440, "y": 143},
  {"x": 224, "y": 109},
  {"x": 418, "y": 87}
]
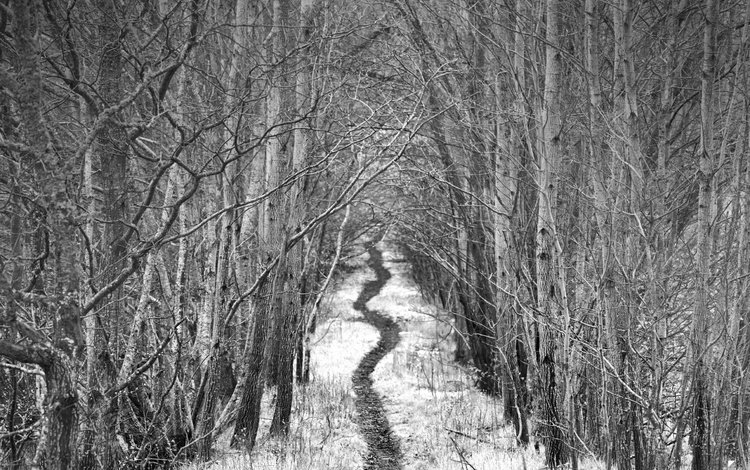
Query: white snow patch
[
  {"x": 338, "y": 347},
  {"x": 341, "y": 339}
]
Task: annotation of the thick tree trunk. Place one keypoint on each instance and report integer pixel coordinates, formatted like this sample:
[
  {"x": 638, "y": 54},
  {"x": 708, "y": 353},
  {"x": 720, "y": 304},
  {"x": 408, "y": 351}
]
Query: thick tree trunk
[
  {"x": 288, "y": 314},
  {"x": 60, "y": 424},
  {"x": 267, "y": 312},
  {"x": 248, "y": 418},
  {"x": 291, "y": 309},
  {"x": 56, "y": 447}
]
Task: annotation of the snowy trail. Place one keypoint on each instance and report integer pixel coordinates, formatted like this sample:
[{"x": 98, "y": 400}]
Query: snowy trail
[{"x": 384, "y": 451}]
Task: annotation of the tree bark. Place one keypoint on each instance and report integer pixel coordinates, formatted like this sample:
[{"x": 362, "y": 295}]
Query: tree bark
[
  {"x": 267, "y": 315},
  {"x": 699, "y": 354},
  {"x": 549, "y": 295}
]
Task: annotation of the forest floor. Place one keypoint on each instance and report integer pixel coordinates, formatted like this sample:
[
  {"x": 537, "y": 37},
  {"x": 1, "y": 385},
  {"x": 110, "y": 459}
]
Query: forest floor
[{"x": 436, "y": 414}]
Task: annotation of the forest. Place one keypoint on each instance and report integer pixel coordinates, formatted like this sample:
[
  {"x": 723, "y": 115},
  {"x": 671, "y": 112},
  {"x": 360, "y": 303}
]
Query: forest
[{"x": 186, "y": 184}]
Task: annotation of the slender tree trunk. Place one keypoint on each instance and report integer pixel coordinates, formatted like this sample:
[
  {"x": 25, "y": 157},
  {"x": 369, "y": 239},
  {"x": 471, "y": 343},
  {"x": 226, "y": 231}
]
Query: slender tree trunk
[
  {"x": 549, "y": 295},
  {"x": 739, "y": 326},
  {"x": 615, "y": 295},
  {"x": 179, "y": 426},
  {"x": 521, "y": 139},
  {"x": 699, "y": 355},
  {"x": 658, "y": 255},
  {"x": 504, "y": 182}
]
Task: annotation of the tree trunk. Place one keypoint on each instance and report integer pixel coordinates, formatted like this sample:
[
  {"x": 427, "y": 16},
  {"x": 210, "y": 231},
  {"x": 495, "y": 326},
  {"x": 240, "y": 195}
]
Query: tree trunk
[
  {"x": 615, "y": 296},
  {"x": 56, "y": 447},
  {"x": 291, "y": 310},
  {"x": 699, "y": 355},
  {"x": 60, "y": 421},
  {"x": 267, "y": 312},
  {"x": 248, "y": 418},
  {"x": 549, "y": 294}
]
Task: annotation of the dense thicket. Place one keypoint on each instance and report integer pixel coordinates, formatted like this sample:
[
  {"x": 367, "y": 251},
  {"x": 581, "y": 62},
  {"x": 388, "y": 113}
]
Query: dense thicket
[
  {"x": 569, "y": 178},
  {"x": 583, "y": 211},
  {"x": 174, "y": 178}
]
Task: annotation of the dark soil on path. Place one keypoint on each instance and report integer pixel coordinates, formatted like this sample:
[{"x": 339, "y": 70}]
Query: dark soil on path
[{"x": 383, "y": 448}]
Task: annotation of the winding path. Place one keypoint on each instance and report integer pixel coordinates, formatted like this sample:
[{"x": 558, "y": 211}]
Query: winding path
[{"x": 383, "y": 448}]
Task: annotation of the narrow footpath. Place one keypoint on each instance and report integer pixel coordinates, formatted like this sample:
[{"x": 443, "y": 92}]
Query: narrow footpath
[{"x": 383, "y": 448}]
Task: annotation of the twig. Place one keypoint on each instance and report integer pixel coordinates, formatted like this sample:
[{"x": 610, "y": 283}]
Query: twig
[
  {"x": 476, "y": 438},
  {"x": 19, "y": 431},
  {"x": 26, "y": 370},
  {"x": 460, "y": 453}
]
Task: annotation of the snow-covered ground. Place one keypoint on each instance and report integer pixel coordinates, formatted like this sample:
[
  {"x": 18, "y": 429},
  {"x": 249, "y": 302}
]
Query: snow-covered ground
[
  {"x": 441, "y": 419},
  {"x": 342, "y": 339}
]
